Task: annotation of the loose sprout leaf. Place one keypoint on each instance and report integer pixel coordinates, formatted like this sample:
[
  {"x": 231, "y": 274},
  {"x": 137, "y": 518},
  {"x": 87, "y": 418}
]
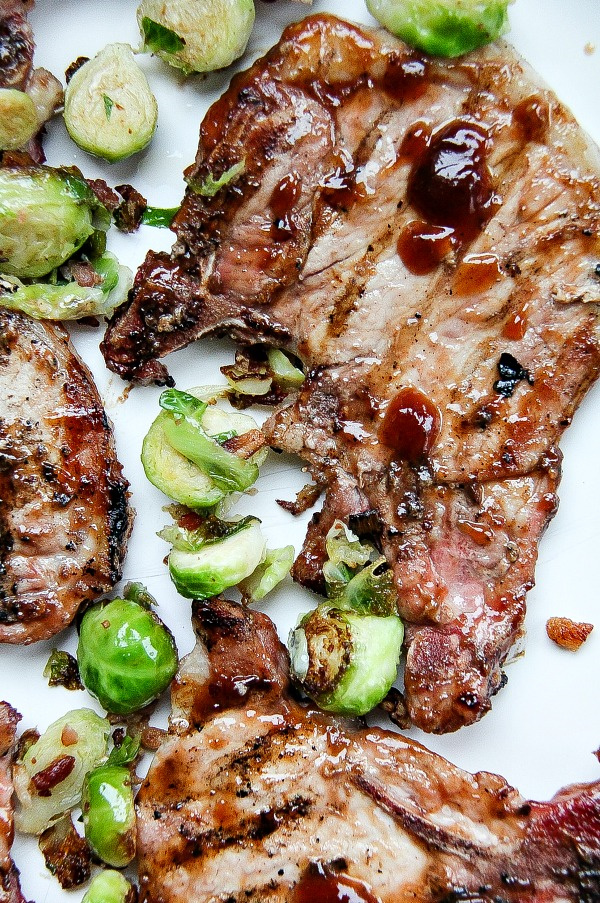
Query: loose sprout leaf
[
  {"x": 183, "y": 404},
  {"x": 158, "y": 37},
  {"x": 284, "y": 372},
  {"x": 61, "y": 670},
  {"x": 228, "y": 471},
  {"x": 126, "y": 753},
  {"x": 108, "y": 105},
  {"x": 269, "y": 574},
  {"x": 210, "y": 186},
  {"x": 160, "y": 217}
]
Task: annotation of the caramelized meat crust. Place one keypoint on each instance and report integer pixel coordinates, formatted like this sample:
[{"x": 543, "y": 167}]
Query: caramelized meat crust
[
  {"x": 65, "y": 516},
  {"x": 256, "y": 798},
  {"x": 425, "y": 235}
]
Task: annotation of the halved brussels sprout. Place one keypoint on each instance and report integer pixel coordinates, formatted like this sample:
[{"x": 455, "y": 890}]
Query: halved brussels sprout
[
  {"x": 196, "y": 35},
  {"x": 443, "y": 27},
  {"x": 49, "y": 777},
  {"x": 182, "y": 455},
  {"x": 110, "y": 110},
  {"x": 346, "y": 662},
  {"x": 69, "y": 300},
  {"x": 109, "y": 814},
  {"x": 45, "y": 216},
  {"x": 18, "y": 118},
  {"x": 202, "y": 567},
  {"x": 126, "y": 655}
]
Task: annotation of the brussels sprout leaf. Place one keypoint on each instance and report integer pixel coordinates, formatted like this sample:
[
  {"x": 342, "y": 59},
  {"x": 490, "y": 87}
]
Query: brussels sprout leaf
[{"x": 158, "y": 37}]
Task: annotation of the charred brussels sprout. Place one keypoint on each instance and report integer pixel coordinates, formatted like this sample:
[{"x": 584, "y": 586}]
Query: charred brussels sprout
[
  {"x": 126, "y": 655},
  {"x": 110, "y": 110},
  {"x": 184, "y": 453},
  {"x": 45, "y": 216},
  {"x": 109, "y": 814},
  {"x": 214, "y": 557},
  {"x": 346, "y": 662},
  {"x": 49, "y": 776},
  {"x": 196, "y": 35},
  {"x": 443, "y": 27},
  {"x": 109, "y": 887}
]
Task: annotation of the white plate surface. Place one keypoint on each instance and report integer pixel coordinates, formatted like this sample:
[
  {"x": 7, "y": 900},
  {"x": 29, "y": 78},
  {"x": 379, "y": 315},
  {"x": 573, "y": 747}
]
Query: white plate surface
[{"x": 545, "y": 724}]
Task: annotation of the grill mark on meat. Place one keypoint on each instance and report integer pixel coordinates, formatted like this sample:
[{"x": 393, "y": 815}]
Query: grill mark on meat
[
  {"x": 417, "y": 827},
  {"x": 65, "y": 517},
  {"x": 515, "y": 277}
]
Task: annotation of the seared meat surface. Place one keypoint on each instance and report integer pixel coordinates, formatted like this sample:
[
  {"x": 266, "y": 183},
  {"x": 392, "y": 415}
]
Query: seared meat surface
[
  {"x": 256, "y": 798},
  {"x": 425, "y": 235},
  {"x": 65, "y": 516},
  {"x": 10, "y": 891}
]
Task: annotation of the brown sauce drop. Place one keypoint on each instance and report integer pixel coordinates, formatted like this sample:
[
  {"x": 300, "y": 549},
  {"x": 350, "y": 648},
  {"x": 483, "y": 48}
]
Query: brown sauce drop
[
  {"x": 415, "y": 142},
  {"x": 340, "y": 187},
  {"x": 322, "y": 884},
  {"x": 284, "y": 198},
  {"x": 334, "y": 94},
  {"x": 533, "y": 117},
  {"x": 411, "y": 425},
  {"x": 516, "y": 325},
  {"x": 476, "y": 274},
  {"x": 481, "y": 534},
  {"x": 451, "y": 184},
  {"x": 406, "y": 78},
  {"x": 422, "y": 247}
]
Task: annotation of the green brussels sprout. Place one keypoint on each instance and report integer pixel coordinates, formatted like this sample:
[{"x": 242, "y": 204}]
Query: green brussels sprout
[
  {"x": 69, "y": 300},
  {"x": 198, "y": 473},
  {"x": 196, "y": 35},
  {"x": 202, "y": 566},
  {"x": 443, "y": 27},
  {"x": 126, "y": 655},
  {"x": 110, "y": 110},
  {"x": 45, "y": 216},
  {"x": 284, "y": 372},
  {"x": 109, "y": 814},
  {"x": 344, "y": 661},
  {"x": 19, "y": 119},
  {"x": 49, "y": 777},
  {"x": 109, "y": 887}
]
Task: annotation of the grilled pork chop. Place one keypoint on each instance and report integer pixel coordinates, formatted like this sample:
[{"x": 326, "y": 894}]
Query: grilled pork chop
[
  {"x": 10, "y": 891},
  {"x": 256, "y": 798},
  {"x": 425, "y": 235},
  {"x": 65, "y": 517}
]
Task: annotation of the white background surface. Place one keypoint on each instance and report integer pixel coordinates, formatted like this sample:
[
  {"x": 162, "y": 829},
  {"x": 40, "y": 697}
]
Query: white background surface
[{"x": 545, "y": 724}]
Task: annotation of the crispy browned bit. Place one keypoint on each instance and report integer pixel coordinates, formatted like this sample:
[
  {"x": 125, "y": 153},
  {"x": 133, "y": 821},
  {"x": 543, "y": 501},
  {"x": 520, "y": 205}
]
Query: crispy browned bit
[
  {"x": 568, "y": 634},
  {"x": 246, "y": 444},
  {"x": 128, "y": 214},
  {"x": 395, "y": 707},
  {"x": 74, "y": 66},
  {"x": 304, "y": 500},
  {"x": 66, "y": 853}
]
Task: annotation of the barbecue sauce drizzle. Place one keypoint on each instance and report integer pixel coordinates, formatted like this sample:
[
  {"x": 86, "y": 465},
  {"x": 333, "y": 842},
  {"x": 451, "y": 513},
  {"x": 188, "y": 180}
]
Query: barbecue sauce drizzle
[
  {"x": 322, "y": 884},
  {"x": 411, "y": 425}
]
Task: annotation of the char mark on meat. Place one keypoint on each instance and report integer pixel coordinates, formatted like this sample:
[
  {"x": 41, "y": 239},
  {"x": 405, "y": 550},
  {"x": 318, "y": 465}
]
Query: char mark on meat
[
  {"x": 10, "y": 890},
  {"x": 446, "y": 315},
  {"x": 65, "y": 517},
  {"x": 254, "y": 797}
]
